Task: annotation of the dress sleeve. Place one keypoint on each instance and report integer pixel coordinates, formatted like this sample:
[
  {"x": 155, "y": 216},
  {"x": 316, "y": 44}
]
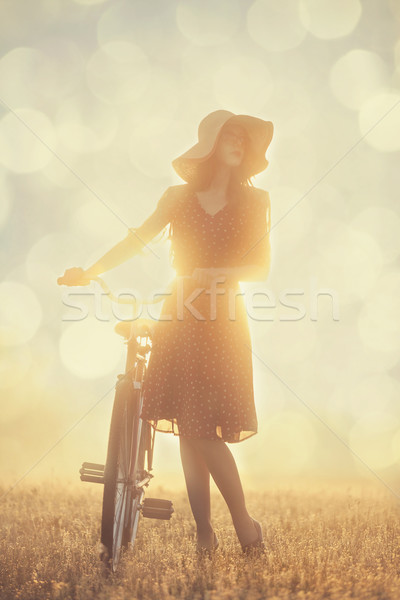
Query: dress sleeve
[
  {"x": 255, "y": 248},
  {"x": 161, "y": 216}
]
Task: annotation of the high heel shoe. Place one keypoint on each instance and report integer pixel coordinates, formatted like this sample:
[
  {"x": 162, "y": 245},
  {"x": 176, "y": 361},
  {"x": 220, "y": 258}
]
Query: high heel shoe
[
  {"x": 202, "y": 550},
  {"x": 257, "y": 544}
]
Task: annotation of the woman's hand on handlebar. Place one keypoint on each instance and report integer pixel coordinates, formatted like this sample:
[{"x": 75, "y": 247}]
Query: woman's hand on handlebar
[{"x": 74, "y": 276}]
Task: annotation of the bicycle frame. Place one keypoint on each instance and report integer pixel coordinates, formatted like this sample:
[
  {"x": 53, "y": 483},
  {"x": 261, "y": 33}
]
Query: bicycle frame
[{"x": 137, "y": 360}]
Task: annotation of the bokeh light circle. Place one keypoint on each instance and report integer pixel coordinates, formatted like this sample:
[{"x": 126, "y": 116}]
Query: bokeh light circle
[
  {"x": 252, "y": 88},
  {"x": 198, "y": 65},
  {"x": 47, "y": 260},
  {"x": 94, "y": 219},
  {"x": 292, "y": 105},
  {"x": 118, "y": 72},
  {"x": 366, "y": 393},
  {"x": 381, "y": 114},
  {"x": 20, "y": 313},
  {"x": 371, "y": 439},
  {"x": 356, "y": 76},
  {"x": 384, "y": 225},
  {"x": 341, "y": 245},
  {"x": 293, "y": 341},
  {"x": 23, "y": 60},
  {"x": 275, "y": 26},
  {"x": 298, "y": 155},
  {"x": 208, "y": 23},
  {"x": 49, "y": 256},
  {"x": 21, "y": 147},
  {"x": 14, "y": 365},
  {"x": 56, "y": 63},
  {"x": 289, "y": 441},
  {"x": 330, "y": 19},
  {"x": 295, "y": 226},
  {"x": 145, "y": 24},
  {"x": 60, "y": 73},
  {"x": 163, "y": 85},
  {"x": 58, "y": 174},
  {"x": 5, "y": 200},
  {"x": 90, "y": 349},
  {"x": 148, "y": 142},
  {"x": 378, "y": 321},
  {"x": 84, "y": 124}
]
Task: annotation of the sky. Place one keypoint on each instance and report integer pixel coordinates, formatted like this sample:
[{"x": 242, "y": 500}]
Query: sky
[{"x": 96, "y": 100}]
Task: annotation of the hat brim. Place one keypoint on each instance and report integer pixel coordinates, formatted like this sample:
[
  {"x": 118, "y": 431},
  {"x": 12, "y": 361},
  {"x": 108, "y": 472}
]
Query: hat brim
[{"x": 259, "y": 132}]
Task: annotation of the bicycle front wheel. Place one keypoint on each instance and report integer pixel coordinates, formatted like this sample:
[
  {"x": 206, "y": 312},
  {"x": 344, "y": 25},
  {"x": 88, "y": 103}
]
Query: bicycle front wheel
[{"x": 124, "y": 466}]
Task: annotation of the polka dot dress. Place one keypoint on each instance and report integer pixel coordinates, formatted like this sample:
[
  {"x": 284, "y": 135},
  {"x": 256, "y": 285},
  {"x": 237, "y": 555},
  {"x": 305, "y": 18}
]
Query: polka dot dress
[{"x": 199, "y": 381}]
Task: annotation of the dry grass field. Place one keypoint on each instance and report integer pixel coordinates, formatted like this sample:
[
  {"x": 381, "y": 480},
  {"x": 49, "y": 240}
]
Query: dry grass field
[{"x": 330, "y": 540}]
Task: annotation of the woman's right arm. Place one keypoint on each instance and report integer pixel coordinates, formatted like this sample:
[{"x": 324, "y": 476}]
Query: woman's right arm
[{"x": 131, "y": 245}]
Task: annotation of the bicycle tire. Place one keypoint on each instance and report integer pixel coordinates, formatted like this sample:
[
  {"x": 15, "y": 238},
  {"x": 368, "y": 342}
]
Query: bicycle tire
[
  {"x": 121, "y": 503},
  {"x": 134, "y": 515}
]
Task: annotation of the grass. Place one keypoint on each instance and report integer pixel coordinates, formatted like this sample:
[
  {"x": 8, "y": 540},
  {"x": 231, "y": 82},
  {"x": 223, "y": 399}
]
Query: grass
[{"x": 333, "y": 541}]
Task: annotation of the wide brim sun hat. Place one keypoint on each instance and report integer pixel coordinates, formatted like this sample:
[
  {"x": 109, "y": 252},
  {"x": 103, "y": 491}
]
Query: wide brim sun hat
[{"x": 259, "y": 133}]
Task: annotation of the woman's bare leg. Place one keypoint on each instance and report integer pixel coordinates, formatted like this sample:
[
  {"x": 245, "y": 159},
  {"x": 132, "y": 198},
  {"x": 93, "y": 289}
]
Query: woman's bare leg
[
  {"x": 197, "y": 477},
  {"x": 222, "y": 466}
]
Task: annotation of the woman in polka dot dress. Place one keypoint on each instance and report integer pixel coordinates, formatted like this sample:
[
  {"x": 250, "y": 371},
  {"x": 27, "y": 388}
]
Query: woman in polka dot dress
[{"x": 199, "y": 382}]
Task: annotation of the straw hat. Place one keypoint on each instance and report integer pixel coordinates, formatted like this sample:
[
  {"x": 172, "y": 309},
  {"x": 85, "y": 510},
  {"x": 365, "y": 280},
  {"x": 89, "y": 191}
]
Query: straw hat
[{"x": 259, "y": 134}]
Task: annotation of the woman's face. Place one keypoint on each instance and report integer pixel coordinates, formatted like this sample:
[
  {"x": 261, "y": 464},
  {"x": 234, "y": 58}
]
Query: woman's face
[{"x": 231, "y": 146}]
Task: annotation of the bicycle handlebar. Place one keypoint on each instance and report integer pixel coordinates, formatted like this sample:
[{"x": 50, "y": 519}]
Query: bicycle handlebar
[
  {"x": 114, "y": 298},
  {"x": 131, "y": 301}
]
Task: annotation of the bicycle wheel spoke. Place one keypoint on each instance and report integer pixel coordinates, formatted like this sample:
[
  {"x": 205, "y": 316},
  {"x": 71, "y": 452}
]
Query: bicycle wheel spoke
[
  {"x": 136, "y": 516},
  {"x": 120, "y": 491},
  {"x": 118, "y": 525},
  {"x": 125, "y": 446}
]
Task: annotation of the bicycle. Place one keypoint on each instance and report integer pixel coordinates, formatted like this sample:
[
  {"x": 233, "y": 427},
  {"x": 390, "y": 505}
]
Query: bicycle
[{"x": 131, "y": 441}]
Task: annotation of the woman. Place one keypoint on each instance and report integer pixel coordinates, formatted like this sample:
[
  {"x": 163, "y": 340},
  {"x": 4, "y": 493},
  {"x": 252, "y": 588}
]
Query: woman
[{"x": 199, "y": 382}]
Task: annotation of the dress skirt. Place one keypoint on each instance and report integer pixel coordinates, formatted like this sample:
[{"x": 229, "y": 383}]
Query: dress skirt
[{"x": 199, "y": 380}]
